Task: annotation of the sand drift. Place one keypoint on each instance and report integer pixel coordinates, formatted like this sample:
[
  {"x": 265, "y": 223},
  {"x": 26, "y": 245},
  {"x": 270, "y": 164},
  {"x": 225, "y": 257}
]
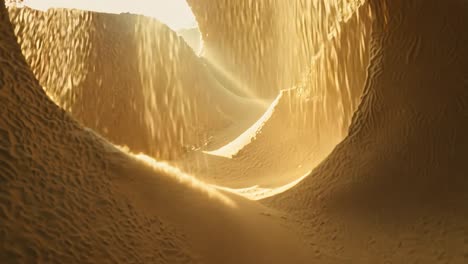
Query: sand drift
[{"x": 306, "y": 132}]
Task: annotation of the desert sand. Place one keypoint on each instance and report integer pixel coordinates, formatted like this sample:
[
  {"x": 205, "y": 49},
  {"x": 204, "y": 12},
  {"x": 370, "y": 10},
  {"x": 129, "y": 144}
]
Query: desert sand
[
  {"x": 344, "y": 143},
  {"x": 102, "y": 93}
]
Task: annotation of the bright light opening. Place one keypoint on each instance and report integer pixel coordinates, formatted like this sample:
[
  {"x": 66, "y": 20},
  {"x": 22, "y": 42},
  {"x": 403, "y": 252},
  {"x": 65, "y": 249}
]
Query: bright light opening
[{"x": 174, "y": 13}]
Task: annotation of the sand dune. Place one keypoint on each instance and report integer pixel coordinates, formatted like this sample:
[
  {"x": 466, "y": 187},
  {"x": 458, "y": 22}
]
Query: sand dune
[
  {"x": 57, "y": 202},
  {"x": 69, "y": 196},
  {"x": 274, "y": 151},
  {"x": 323, "y": 56},
  {"x": 395, "y": 189},
  {"x": 350, "y": 164},
  {"x": 274, "y": 41},
  {"x": 298, "y": 130},
  {"x": 127, "y": 102}
]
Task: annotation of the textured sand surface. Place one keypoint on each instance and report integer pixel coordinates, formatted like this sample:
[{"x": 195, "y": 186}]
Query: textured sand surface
[
  {"x": 298, "y": 130},
  {"x": 57, "y": 202},
  {"x": 395, "y": 189},
  {"x": 360, "y": 159},
  {"x": 69, "y": 196},
  {"x": 125, "y": 76}
]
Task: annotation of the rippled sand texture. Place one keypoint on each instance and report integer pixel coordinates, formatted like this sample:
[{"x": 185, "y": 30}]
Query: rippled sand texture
[
  {"x": 306, "y": 121},
  {"x": 70, "y": 196},
  {"x": 361, "y": 158},
  {"x": 128, "y": 77},
  {"x": 320, "y": 47},
  {"x": 57, "y": 204},
  {"x": 396, "y": 186}
]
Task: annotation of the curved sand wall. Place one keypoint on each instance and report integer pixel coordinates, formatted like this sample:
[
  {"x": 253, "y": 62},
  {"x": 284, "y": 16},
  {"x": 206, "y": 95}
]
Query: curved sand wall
[
  {"x": 57, "y": 204},
  {"x": 128, "y": 77},
  {"x": 320, "y": 47},
  {"x": 395, "y": 188},
  {"x": 67, "y": 195}
]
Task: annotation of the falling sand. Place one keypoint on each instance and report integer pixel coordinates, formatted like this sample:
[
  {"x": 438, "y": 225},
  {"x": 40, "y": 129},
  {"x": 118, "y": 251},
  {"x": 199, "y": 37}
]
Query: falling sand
[{"x": 302, "y": 131}]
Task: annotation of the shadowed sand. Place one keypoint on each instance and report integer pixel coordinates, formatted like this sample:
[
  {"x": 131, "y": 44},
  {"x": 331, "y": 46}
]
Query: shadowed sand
[
  {"x": 68, "y": 195},
  {"x": 394, "y": 190}
]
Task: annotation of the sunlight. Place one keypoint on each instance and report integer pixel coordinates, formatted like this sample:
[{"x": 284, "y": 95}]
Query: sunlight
[
  {"x": 174, "y": 13},
  {"x": 163, "y": 168},
  {"x": 232, "y": 148},
  {"x": 258, "y": 193}
]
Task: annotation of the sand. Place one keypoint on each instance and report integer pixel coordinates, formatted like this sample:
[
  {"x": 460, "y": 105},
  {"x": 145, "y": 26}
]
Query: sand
[
  {"x": 130, "y": 100},
  {"x": 68, "y": 195},
  {"x": 297, "y": 131},
  {"x": 369, "y": 168},
  {"x": 274, "y": 41},
  {"x": 395, "y": 189}
]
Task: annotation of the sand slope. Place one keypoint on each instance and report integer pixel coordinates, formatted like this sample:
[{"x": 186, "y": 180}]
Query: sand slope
[
  {"x": 57, "y": 204},
  {"x": 69, "y": 196},
  {"x": 276, "y": 150},
  {"x": 144, "y": 85},
  {"x": 395, "y": 189},
  {"x": 274, "y": 41},
  {"x": 193, "y": 38},
  {"x": 320, "y": 48},
  {"x": 298, "y": 130}
]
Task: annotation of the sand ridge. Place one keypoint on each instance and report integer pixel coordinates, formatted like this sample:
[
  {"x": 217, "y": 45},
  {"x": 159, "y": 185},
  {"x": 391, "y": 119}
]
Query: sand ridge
[
  {"x": 68, "y": 195},
  {"x": 77, "y": 56},
  {"x": 298, "y": 130},
  {"x": 392, "y": 191},
  {"x": 57, "y": 203},
  {"x": 396, "y": 185}
]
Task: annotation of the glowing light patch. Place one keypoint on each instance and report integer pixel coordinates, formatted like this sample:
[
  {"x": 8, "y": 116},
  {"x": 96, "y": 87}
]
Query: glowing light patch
[
  {"x": 181, "y": 177},
  {"x": 258, "y": 193},
  {"x": 174, "y": 13},
  {"x": 232, "y": 148}
]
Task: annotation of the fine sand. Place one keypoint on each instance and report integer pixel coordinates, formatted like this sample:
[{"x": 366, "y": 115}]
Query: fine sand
[
  {"x": 349, "y": 164},
  {"x": 69, "y": 196},
  {"x": 395, "y": 190},
  {"x": 125, "y": 76}
]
